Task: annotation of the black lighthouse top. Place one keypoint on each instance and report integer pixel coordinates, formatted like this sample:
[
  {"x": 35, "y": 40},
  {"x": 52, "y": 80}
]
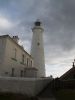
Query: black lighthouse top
[{"x": 37, "y": 23}]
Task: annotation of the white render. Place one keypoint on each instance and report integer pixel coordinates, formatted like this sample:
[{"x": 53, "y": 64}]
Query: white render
[
  {"x": 8, "y": 60},
  {"x": 37, "y": 49}
]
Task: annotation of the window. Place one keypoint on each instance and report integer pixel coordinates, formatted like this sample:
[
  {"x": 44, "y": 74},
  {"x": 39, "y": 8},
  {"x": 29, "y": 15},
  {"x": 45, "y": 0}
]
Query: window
[
  {"x": 6, "y": 73},
  {"x": 31, "y": 63},
  {"x": 74, "y": 76},
  {"x": 12, "y": 73},
  {"x": 27, "y": 61},
  {"x": 15, "y": 52},
  {"x": 21, "y": 73},
  {"x": 23, "y": 58},
  {"x": 14, "y": 55}
]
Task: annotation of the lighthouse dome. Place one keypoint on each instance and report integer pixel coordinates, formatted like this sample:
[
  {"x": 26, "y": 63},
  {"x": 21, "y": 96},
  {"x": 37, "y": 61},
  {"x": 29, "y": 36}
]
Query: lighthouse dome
[{"x": 37, "y": 23}]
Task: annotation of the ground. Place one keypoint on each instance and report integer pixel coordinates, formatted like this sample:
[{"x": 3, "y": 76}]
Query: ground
[
  {"x": 11, "y": 96},
  {"x": 65, "y": 94}
]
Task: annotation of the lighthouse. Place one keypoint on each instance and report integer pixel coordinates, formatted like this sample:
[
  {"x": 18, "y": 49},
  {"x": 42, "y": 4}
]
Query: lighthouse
[{"x": 37, "y": 48}]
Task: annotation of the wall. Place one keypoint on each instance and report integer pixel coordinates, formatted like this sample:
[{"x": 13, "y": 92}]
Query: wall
[
  {"x": 31, "y": 72},
  {"x": 2, "y": 52},
  {"x": 29, "y": 86},
  {"x": 11, "y": 62}
]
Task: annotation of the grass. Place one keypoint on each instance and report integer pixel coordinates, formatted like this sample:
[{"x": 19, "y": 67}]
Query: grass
[
  {"x": 65, "y": 94},
  {"x": 12, "y": 96}
]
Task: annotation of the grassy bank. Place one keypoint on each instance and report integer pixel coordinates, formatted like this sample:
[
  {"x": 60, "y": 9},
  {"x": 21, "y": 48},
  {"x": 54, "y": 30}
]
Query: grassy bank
[
  {"x": 66, "y": 94},
  {"x": 11, "y": 96}
]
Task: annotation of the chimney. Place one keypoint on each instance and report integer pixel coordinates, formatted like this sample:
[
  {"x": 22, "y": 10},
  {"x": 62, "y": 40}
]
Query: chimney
[{"x": 15, "y": 38}]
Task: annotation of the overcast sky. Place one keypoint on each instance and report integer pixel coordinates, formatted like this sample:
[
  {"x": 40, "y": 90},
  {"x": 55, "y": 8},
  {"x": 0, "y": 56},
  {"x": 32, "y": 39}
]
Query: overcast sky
[{"x": 58, "y": 19}]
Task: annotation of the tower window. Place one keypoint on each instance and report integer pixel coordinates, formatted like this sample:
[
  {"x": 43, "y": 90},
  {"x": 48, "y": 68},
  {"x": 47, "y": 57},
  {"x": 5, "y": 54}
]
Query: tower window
[
  {"x": 38, "y": 43},
  {"x": 37, "y": 23}
]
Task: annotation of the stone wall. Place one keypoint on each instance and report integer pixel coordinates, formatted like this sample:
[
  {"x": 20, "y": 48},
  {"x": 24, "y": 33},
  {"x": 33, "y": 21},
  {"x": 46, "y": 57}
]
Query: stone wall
[{"x": 28, "y": 86}]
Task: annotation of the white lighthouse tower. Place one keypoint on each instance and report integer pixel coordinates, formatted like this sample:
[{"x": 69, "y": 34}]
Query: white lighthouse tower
[{"x": 37, "y": 49}]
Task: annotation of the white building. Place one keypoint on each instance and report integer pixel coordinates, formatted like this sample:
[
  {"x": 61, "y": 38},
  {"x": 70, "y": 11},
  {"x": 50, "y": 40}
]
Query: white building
[
  {"x": 14, "y": 60},
  {"x": 37, "y": 49}
]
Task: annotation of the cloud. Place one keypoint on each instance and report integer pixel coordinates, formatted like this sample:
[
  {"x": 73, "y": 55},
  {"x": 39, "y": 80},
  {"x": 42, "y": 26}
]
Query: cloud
[
  {"x": 5, "y": 23},
  {"x": 58, "y": 19}
]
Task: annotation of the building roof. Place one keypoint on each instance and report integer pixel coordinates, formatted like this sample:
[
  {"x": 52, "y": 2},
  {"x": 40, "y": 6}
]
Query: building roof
[
  {"x": 7, "y": 36},
  {"x": 68, "y": 73}
]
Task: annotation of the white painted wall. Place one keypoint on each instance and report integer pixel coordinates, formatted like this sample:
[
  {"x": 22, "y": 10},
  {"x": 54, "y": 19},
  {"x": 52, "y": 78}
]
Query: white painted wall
[
  {"x": 7, "y": 53},
  {"x": 2, "y": 52},
  {"x": 37, "y": 50}
]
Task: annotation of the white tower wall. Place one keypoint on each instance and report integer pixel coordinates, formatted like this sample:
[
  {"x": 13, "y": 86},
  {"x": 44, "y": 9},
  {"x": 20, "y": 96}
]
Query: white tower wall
[{"x": 37, "y": 49}]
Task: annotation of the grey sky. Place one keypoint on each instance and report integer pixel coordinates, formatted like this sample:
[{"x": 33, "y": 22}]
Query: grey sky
[{"x": 58, "y": 18}]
